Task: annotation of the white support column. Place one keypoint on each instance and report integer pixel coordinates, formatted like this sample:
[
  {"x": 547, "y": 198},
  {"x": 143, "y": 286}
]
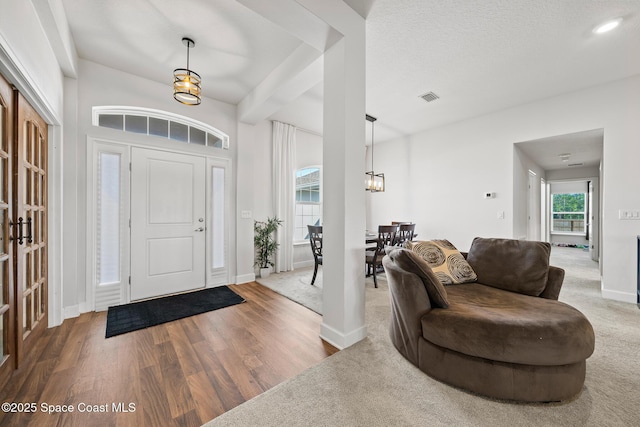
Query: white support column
[
  {"x": 343, "y": 186},
  {"x": 343, "y": 41}
]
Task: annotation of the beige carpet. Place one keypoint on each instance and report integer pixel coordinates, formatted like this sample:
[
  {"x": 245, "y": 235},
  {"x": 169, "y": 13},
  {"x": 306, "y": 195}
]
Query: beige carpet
[
  {"x": 296, "y": 285},
  {"x": 370, "y": 384}
]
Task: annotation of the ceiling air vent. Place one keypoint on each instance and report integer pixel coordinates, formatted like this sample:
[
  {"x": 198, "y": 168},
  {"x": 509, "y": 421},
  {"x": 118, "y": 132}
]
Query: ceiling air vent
[
  {"x": 429, "y": 96},
  {"x": 575, "y": 164}
]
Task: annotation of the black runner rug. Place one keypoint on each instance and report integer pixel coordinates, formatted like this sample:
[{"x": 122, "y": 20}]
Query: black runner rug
[{"x": 139, "y": 315}]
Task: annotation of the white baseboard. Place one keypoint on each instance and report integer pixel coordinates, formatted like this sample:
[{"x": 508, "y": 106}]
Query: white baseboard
[
  {"x": 71, "y": 311},
  {"x": 620, "y": 296},
  {"x": 76, "y": 310},
  {"x": 340, "y": 340},
  {"x": 244, "y": 278},
  {"x": 303, "y": 264}
]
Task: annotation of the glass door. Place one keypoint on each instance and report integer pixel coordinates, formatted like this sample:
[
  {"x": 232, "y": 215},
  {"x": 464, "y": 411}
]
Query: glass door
[
  {"x": 31, "y": 219},
  {"x": 7, "y": 305}
]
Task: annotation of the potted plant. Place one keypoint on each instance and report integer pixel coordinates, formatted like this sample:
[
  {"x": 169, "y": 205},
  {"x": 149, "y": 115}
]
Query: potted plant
[{"x": 265, "y": 243}]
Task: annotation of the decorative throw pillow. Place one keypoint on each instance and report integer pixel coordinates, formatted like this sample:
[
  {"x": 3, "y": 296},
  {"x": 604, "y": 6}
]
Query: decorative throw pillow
[
  {"x": 445, "y": 260},
  {"x": 413, "y": 263}
]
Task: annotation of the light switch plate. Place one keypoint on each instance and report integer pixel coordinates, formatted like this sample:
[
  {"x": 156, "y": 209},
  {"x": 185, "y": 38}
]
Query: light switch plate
[
  {"x": 629, "y": 214},
  {"x": 245, "y": 214}
]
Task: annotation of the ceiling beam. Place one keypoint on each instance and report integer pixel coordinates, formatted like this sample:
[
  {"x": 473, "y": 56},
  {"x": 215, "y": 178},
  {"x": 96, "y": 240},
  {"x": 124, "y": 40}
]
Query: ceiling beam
[
  {"x": 54, "y": 23},
  {"x": 295, "y": 19},
  {"x": 318, "y": 25},
  {"x": 301, "y": 71}
]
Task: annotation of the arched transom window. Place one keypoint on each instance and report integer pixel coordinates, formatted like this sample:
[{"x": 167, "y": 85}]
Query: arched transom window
[{"x": 147, "y": 121}]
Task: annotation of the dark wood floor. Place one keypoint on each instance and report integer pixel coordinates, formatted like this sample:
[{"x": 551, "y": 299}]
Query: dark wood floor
[{"x": 182, "y": 373}]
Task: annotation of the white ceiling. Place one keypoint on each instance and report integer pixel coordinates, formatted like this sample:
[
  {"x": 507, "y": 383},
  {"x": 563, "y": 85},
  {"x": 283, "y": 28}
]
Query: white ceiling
[
  {"x": 477, "y": 56},
  {"x": 235, "y": 48},
  {"x": 581, "y": 149}
]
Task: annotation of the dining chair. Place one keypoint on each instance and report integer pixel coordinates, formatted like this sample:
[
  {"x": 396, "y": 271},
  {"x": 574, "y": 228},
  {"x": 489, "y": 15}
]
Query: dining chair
[
  {"x": 405, "y": 233},
  {"x": 400, "y": 222},
  {"x": 373, "y": 260},
  {"x": 315, "y": 239}
]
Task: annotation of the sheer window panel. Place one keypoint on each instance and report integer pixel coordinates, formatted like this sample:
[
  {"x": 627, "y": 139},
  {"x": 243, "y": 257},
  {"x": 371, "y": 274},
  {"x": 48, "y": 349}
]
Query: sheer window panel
[
  {"x": 217, "y": 213},
  {"x": 109, "y": 207}
]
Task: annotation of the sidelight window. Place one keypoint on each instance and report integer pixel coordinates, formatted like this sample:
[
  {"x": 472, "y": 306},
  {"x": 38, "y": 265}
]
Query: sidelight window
[{"x": 109, "y": 217}]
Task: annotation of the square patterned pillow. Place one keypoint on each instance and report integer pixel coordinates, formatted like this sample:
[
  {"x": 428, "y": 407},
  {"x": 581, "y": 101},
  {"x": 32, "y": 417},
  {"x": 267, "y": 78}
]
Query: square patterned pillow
[{"x": 446, "y": 262}]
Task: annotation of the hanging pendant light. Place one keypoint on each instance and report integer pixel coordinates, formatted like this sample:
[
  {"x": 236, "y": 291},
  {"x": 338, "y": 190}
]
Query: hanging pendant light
[
  {"x": 374, "y": 182},
  {"x": 186, "y": 83}
]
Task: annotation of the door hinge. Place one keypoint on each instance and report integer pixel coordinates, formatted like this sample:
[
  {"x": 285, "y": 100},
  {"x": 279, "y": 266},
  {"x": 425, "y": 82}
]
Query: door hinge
[
  {"x": 129, "y": 279},
  {"x": 129, "y": 222},
  {"x": 129, "y": 166}
]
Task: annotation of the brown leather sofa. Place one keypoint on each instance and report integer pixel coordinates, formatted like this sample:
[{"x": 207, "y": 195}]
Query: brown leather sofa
[{"x": 504, "y": 336}]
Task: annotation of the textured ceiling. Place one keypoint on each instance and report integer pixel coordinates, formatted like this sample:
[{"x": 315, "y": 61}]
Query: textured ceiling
[
  {"x": 484, "y": 56},
  {"x": 477, "y": 56}
]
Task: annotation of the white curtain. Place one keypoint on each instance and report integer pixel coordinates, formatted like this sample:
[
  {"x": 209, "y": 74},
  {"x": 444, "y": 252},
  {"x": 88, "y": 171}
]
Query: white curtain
[{"x": 284, "y": 191}]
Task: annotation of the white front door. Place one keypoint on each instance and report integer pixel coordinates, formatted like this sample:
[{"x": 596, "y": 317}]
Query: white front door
[{"x": 167, "y": 223}]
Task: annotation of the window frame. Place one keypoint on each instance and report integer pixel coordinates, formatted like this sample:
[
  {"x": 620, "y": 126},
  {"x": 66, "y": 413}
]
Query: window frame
[
  {"x": 583, "y": 232},
  {"x": 296, "y": 202},
  {"x": 149, "y": 113}
]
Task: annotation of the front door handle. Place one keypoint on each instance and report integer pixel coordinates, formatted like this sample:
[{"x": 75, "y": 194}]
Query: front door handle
[
  {"x": 29, "y": 236},
  {"x": 19, "y": 229},
  {"x": 199, "y": 229}
]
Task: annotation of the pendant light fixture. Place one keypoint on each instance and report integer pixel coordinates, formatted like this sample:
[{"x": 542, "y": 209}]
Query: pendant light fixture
[
  {"x": 374, "y": 182},
  {"x": 186, "y": 83}
]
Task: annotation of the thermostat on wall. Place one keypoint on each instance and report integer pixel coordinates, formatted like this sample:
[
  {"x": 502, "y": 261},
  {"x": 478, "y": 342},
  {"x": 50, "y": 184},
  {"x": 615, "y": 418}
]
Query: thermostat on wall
[{"x": 489, "y": 195}]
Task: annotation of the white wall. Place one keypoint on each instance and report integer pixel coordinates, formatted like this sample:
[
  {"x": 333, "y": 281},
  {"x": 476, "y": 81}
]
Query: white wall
[
  {"x": 522, "y": 164},
  {"x": 573, "y": 173},
  {"x": 436, "y": 178},
  {"x": 253, "y": 189},
  {"x": 24, "y": 42},
  {"x": 308, "y": 149}
]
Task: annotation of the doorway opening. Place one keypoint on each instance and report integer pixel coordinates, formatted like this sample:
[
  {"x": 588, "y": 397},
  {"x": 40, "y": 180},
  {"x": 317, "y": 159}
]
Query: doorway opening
[{"x": 546, "y": 168}]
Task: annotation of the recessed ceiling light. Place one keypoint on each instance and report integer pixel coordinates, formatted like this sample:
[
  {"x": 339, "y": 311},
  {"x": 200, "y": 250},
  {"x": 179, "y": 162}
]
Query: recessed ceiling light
[{"x": 607, "y": 26}]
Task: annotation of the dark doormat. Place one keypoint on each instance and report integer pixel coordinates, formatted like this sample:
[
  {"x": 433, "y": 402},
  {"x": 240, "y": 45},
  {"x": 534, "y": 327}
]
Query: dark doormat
[{"x": 139, "y": 315}]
